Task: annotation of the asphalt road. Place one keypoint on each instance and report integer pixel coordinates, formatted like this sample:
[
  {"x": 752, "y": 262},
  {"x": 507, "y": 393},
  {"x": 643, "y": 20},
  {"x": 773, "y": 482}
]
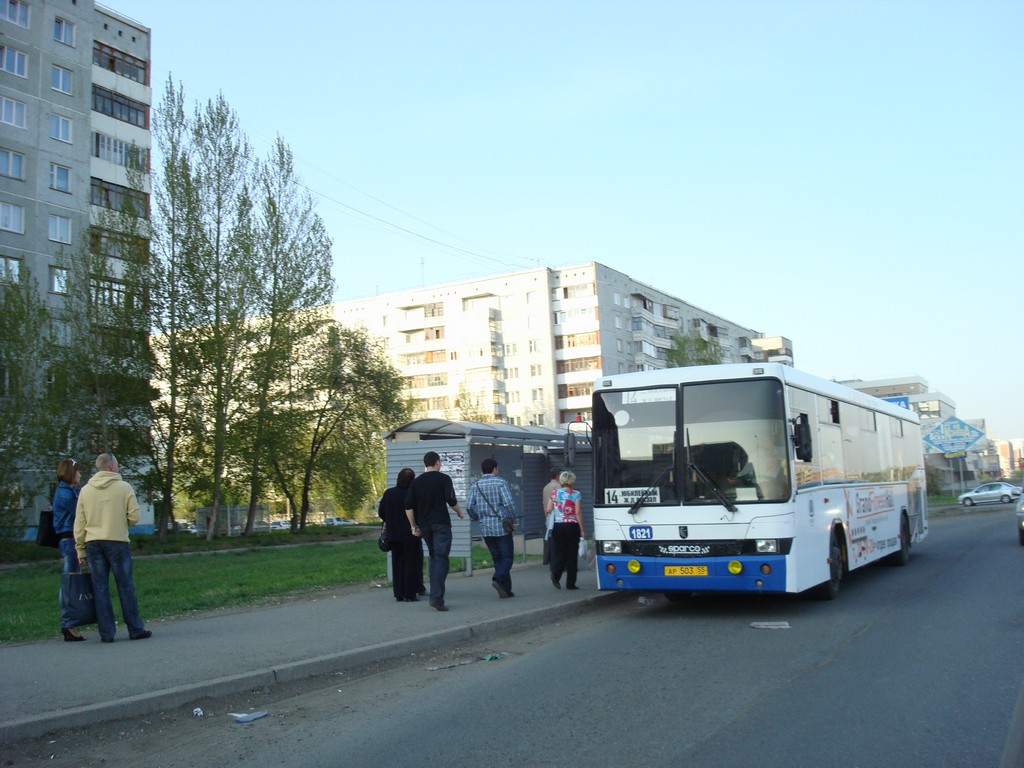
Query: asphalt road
[{"x": 915, "y": 666}]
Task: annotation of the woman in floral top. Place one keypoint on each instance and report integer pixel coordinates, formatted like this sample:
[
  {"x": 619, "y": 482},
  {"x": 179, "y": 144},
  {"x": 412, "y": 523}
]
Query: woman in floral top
[{"x": 566, "y": 530}]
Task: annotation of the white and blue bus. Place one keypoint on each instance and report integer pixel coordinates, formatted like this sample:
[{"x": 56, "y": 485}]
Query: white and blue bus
[{"x": 749, "y": 478}]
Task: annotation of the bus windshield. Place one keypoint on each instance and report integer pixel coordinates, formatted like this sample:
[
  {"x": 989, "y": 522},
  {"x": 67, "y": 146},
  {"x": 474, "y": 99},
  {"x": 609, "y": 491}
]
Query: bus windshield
[{"x": 732, "y": 444}]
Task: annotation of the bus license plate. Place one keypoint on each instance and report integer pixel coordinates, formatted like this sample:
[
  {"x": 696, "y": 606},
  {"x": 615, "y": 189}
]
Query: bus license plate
[{"x": 686, "y": 570}]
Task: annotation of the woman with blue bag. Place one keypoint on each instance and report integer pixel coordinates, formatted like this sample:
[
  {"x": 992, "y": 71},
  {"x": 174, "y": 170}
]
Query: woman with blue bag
[{"x": 65, "y": 501}]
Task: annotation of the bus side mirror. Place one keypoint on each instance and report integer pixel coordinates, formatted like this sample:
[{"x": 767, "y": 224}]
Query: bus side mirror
[
  {"x": 570, "y": 448},
  {"x": 802, "y": 437}
]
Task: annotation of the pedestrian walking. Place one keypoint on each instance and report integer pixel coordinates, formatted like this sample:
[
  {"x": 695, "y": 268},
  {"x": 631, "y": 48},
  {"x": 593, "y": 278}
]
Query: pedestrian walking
[
  {"x": 426, "y": 505},
  {"x": 565, "y": 504},
  {"x": 550, "y": 488},
  {"x": 490, "y": 502},
  {"x": 406, "y": 549},
  {"x": 106, "y": 509}
]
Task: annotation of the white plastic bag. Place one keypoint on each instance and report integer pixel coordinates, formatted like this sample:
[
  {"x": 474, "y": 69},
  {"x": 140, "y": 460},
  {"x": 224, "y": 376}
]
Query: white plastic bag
[{"x": 582, "y": 554}]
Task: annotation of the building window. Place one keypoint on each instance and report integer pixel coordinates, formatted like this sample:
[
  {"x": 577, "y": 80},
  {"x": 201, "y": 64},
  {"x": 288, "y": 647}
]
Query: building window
[
  {"x": 59, "y": 229},
  {"x": 117, "y": 245},
  {"x": 120, "y": 62},
  {"x": 14, "y": 61},
  {"x": 11, "y": 164},
  {"x": 60, "y": 128},
  {"x": 63, "y": 31},
  {"x": 60, "y": 79},
  {"x": 60, "y": 177},
  {"x": 10, "y": 269},
  {"x": 58, "y": 280},
  {"x": 537, "y": 394},
  {"x": 119, "y": 152},
  {"x": 534, "y": 345},
  {"x": 116, "y": 197},
  {"x": 17, "y": 13},
  {"x": 12, "y": 218},
  {"x": 109, "y": 293},
  {"x": 12, "y": 112},
  {"x": 120, "y": 107},
  {"x": 536, "y": 370}
]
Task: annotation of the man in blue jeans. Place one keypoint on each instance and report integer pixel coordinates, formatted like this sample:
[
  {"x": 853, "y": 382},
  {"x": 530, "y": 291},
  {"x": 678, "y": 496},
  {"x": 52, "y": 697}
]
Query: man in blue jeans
[
  {"x": 106, "y": 509},
  {"x": 426, "y": 505},
  {"x": 490, "y": 502}
]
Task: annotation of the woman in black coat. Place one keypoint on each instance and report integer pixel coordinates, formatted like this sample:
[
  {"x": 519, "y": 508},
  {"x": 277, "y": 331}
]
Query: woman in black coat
[{"x": 406, "y": 549}]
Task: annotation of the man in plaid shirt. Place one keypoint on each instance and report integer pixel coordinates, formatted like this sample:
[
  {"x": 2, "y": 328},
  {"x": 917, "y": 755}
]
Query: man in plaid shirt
[{"x": 490, "y": 502}]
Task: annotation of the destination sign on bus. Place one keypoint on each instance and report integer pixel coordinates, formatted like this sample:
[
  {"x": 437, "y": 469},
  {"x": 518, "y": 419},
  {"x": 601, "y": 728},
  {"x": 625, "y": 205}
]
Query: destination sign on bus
[{"x": 631, "y": 495}]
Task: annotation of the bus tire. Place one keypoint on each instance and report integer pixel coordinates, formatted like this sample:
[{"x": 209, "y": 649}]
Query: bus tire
[
  {"x": 829, "y": 590},
  {"x": 902, "y": 556}
]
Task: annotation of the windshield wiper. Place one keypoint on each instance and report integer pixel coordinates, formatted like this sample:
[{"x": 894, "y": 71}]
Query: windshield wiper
[
  {"x": 635, "y": 506},
  {"x": 715, "y": 489}
]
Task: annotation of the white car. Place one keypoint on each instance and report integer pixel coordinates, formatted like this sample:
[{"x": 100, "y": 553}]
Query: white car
[
  {"x": 337, "y": 521},
  {"x": 995, "y": 493}
]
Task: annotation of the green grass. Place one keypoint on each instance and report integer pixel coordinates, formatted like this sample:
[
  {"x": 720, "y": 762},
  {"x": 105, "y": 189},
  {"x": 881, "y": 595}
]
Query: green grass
[{"x": 180, "y": 584}]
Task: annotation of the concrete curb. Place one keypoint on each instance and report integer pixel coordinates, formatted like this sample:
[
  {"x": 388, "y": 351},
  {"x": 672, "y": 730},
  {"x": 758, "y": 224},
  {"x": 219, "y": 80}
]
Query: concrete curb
[{"x": 132, "y": 707}]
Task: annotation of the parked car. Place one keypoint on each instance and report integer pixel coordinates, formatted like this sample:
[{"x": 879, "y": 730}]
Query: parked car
[
  {"x": 338, "y": 521},
  {"x": 280, "y": 525},
  {"x": 991, "y": 493},
  {"x": 1020, "y": 519}
]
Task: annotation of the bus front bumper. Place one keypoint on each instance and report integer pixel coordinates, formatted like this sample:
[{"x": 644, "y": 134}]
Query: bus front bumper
[{"x": 744, "y": 573}]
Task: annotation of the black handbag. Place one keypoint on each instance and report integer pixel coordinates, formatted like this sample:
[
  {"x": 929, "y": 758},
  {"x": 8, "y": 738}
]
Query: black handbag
[
  {"x": 77, "y": 604},
  {"x": 46, "y": 536},
  {"x": 384, "y": 542}
]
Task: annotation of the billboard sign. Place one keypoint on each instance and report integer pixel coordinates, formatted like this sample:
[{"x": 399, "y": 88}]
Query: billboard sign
[{"x": 953, "y": 436}]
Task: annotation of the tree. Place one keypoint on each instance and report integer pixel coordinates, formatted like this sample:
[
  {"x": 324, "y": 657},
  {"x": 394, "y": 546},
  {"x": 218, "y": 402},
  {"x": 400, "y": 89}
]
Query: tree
[
  {"x": 214, "y": 299},
  {"x": 24, "y": 352},
  {"x": 175, "y": 235},
  {"x": 692, "y": 349},
  {"x": 345, "y": 395},
  {"x": 291, "y": 274}
]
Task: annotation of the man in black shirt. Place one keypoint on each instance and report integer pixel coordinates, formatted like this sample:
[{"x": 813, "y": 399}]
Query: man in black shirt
[{"x": 426, "y": 506}]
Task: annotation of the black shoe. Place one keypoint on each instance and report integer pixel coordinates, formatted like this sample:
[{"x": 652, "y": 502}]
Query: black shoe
[
  {"x": 572, "y": 587},
  {"x": 106, "y": 639},
  {"x": 439, "y": 606},
  {"x": 412, "y": 599},
  {"x": 555, "y": 582},
  {"x": 421, "y": 592},
  {"x": 70, "y": 637},
  {"x": 502, "y": 592},
  {"x": 142, "y": 635}
]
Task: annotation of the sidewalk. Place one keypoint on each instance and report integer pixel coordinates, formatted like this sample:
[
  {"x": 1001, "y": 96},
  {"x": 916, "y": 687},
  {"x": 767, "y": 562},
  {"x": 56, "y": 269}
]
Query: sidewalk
[{"x": 223, "y": 653}]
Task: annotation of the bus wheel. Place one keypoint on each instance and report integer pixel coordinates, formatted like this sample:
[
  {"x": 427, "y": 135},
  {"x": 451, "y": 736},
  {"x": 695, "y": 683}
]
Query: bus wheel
[
  {"x": 830, "y": 589},
  {"x": 902, "y": 557}
]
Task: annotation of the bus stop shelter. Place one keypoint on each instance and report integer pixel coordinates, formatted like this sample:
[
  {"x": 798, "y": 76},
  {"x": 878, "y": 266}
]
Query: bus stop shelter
[{"x": 525, "y": 455}]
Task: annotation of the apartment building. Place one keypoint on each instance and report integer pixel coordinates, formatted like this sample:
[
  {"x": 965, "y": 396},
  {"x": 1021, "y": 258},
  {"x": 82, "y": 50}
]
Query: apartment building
[
  {"x": 75, "y": 103},
  {"x": 525, "y": 347}
]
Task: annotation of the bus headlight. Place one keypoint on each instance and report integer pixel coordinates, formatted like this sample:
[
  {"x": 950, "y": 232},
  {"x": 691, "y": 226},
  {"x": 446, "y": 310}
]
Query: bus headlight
[
  {"x": 767, "y": 545},
  {"x": 611, "y": 547},
  {"x": 735, "y": 567},
  {"x": 633, "y": 566}
]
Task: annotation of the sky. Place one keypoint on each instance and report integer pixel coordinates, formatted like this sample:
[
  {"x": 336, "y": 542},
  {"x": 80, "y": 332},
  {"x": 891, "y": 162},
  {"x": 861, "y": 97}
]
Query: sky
[{"x": 849, "y": 175}]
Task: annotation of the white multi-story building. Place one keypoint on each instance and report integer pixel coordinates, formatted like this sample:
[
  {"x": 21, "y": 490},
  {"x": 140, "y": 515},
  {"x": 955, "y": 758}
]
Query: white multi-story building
[
  {"x": 75, "y": 102},
  {"x": 525, "y": 347}
]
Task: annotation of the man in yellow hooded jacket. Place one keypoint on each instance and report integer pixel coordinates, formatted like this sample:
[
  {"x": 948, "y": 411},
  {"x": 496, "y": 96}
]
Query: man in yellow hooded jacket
[{"x": 107, "y": 507}]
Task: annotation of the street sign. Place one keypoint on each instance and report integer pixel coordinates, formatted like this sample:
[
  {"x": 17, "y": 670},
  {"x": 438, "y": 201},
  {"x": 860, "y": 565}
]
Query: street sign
[{"x": 953, "y": 436}]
